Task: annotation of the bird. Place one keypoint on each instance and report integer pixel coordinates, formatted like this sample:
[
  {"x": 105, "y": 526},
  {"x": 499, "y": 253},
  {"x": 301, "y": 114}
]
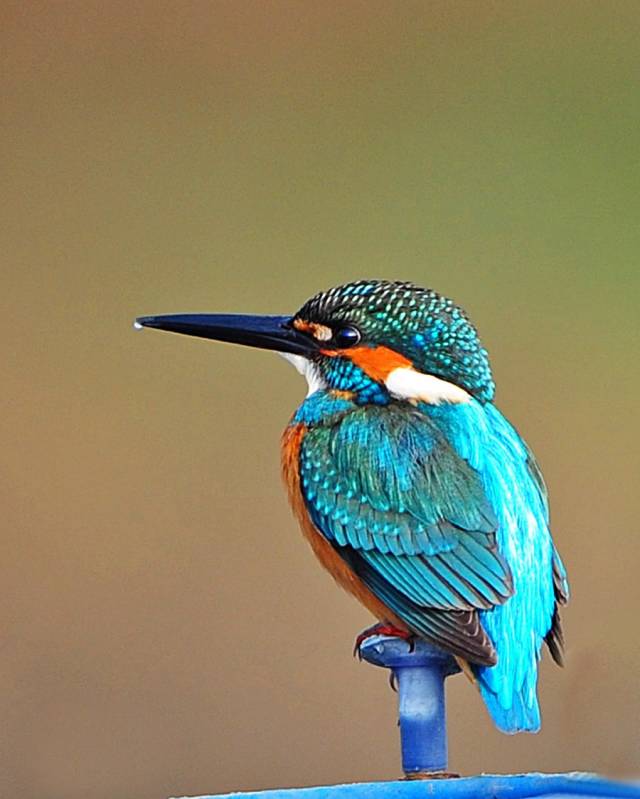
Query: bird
[{"x": 412, "y": 488}]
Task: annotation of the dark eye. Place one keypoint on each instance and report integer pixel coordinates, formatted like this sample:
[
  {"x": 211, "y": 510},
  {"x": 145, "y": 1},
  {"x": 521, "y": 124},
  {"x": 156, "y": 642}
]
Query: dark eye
[{"x": 346, "y": 337}]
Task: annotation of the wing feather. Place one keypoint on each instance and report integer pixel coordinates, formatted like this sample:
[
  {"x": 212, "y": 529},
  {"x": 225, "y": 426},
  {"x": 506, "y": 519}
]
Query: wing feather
[{"x": 411, "y": 519}]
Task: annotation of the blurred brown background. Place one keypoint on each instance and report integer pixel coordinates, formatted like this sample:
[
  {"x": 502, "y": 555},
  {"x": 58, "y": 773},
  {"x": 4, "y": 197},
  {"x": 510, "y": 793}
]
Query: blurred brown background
[{"x": 165, "y": 630}]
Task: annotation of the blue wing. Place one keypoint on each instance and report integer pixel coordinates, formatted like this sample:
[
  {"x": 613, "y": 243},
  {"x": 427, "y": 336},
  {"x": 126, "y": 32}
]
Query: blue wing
[{"x": 411, "y": 518}]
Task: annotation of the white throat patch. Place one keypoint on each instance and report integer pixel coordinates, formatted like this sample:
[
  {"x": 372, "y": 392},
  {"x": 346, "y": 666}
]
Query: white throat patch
[
  {"x": 308, "y": 370},
  {"x": 408, "y": 383}
]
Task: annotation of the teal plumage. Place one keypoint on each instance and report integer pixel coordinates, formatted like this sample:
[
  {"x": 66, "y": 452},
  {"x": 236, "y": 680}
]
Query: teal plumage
[
  {"x": 412, "y": 488},
  {"x": 514, "y": 486},
  {"x": 440, "y": 510}
]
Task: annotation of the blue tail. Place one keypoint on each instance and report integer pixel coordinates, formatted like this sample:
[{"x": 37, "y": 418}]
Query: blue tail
[{"x": 518, "y": 712}]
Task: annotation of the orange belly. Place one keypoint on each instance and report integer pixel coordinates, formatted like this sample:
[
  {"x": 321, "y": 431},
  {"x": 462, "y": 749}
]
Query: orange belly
[{"x": 326, "y": 554}]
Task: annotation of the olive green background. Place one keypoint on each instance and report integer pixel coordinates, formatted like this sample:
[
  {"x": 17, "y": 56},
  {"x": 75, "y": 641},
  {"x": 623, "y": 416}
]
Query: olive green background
[{"x": 164, "y": 628}]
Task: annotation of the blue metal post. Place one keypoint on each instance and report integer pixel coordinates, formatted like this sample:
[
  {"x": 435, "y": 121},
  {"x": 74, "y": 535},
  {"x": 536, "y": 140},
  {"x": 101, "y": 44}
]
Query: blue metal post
[{"x": 419, "y": 671}]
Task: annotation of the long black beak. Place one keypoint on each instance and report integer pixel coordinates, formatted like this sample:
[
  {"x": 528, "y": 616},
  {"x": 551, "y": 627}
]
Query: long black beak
[{"x": 266, "y": 332}]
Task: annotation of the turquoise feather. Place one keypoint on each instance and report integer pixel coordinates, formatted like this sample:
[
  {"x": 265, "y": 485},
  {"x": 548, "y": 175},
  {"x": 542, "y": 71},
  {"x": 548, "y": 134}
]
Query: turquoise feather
[
  {"x": 441, "y": 510},
  {"x": 412, "y": 504},
  {"x": 514, "y": 486}
]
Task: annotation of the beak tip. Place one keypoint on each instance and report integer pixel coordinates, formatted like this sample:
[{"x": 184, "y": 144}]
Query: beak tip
[{"x": 142, "y": 321}]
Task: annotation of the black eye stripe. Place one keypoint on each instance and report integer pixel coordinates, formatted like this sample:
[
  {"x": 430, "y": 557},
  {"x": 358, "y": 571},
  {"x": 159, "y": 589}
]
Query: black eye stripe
[{"x": 347, "y": 336}]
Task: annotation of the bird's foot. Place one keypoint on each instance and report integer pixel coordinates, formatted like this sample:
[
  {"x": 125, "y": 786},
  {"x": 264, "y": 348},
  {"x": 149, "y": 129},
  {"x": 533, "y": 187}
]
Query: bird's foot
[{"x": 382, "y": 628}]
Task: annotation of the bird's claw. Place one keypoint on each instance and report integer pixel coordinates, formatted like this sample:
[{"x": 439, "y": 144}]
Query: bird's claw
[{"x": 383, "y": 628}]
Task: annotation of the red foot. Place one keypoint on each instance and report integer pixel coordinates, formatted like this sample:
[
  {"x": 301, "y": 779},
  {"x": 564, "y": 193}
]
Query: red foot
[{"x": 382, "y": 628}]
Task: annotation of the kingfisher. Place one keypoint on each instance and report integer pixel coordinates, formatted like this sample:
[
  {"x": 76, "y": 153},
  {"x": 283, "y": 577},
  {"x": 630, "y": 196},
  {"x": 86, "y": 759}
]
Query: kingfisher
[{"x": 411, "y": 487}]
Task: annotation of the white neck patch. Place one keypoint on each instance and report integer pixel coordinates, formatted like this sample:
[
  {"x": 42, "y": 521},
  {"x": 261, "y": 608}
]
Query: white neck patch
[
  {"x": 408, "y": 383},
  {"x": 315, "y": 381},
  {"x": 402, "y": 383}
]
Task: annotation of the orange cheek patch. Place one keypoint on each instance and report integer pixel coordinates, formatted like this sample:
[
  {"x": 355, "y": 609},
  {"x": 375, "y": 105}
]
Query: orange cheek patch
[{"x": 376, "y": 362}]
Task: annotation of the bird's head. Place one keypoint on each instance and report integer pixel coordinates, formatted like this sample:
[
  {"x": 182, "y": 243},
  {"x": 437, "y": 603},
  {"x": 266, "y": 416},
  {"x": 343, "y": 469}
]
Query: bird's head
[{"x": 377, "y": 339}]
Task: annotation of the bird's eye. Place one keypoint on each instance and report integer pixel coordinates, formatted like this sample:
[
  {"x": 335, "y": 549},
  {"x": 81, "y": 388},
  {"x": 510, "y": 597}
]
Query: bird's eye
[{"x": 345, "y": 337}]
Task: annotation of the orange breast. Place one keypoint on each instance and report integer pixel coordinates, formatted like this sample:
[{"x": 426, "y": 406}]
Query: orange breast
[{"x": 326, "y": 554}]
